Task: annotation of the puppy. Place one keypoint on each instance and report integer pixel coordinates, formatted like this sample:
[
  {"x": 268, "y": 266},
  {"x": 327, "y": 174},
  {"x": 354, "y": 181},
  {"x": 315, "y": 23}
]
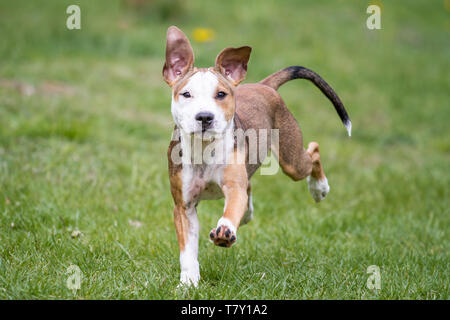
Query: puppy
[{"x": 208, "y": 108}]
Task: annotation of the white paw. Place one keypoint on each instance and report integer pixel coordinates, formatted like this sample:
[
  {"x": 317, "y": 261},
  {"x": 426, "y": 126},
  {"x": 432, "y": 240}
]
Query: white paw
[
  {"x": 190, "y": 269},
  {"x": 318, "y": 188},
  {"x": 189, "y": 279},
  {"x": 224, "y": 235}
]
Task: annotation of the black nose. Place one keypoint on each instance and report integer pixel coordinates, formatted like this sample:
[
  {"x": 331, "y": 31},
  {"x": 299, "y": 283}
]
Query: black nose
[{"x": 205, "y": 117}]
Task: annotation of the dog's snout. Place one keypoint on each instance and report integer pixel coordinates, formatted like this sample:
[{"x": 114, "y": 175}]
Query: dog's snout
[{"x": 206, "y": 118}]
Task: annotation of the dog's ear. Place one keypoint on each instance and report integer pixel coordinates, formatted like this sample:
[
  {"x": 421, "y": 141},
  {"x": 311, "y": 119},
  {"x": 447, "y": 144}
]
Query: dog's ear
[
  {"x": 179, "y": 56},
  {"x": 232, "y": 63}
]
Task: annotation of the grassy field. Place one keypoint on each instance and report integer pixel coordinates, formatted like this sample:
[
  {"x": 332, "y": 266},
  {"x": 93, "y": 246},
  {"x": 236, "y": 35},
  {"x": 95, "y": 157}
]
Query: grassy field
[{"x": 85, "y": 124}]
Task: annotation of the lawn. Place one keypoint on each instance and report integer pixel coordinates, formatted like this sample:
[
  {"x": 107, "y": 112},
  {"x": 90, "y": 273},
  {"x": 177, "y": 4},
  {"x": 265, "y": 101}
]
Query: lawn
[{"x": 85, "y": 123}]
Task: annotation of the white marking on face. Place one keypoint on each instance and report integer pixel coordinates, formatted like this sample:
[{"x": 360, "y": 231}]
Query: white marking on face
[{"x": 202, "y": 87}]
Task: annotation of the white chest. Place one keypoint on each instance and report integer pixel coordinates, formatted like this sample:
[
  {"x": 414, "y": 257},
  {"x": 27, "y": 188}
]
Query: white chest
[{"x": 203, "y": 181}]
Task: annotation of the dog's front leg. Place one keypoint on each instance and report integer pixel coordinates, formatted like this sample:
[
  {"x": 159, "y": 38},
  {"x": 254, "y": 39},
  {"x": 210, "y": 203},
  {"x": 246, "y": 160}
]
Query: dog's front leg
[
  {"x": 234, "y": 188},
  {"x": 187, "y": 227}
]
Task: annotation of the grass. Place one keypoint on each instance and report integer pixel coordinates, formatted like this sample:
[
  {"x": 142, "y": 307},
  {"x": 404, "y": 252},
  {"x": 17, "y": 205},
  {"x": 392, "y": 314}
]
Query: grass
[{"x": 87, "y": 152}]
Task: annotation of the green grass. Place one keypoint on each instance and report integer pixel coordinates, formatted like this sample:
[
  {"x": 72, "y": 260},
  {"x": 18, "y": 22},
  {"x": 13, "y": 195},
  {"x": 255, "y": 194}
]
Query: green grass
[{"x": 92, "y": 156}]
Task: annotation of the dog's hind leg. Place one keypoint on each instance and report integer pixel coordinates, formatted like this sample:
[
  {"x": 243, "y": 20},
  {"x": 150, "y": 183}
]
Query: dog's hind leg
[
  {"x": 317, "y": 181},
  {"x": 295, "y": 161}
]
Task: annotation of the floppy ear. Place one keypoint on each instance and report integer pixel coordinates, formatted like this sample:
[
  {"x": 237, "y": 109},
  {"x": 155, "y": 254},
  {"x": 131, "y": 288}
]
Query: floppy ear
[
  {"x": 179, "y": 56},
  {"x": 232, "y": 63}
]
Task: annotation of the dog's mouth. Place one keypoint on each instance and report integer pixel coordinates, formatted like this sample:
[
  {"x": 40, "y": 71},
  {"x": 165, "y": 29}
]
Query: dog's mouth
[
  {"x": 205, "y": 133},
  {"x": 206, "y": 129},
  {"x": 215, "y": 130}
]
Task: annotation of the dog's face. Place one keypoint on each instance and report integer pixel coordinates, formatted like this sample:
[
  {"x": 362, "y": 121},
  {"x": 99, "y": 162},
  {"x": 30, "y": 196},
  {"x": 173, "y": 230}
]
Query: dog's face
[{"x": 202, "y": 98}]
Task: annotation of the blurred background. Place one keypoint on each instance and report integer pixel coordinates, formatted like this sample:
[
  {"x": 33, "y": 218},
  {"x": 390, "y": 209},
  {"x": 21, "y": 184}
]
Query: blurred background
[{"x": 85, "y": 124}]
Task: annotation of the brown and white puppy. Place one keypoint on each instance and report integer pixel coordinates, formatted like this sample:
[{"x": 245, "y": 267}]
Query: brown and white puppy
[{"x": 208, "y": 105}]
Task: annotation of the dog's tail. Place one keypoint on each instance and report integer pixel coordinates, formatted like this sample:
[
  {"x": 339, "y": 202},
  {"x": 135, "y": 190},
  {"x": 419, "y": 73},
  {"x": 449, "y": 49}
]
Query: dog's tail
[{"x": 277, "y": 79}]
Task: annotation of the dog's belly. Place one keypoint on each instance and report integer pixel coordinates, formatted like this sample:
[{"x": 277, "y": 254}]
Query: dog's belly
[{"x": 211, "y": 192}]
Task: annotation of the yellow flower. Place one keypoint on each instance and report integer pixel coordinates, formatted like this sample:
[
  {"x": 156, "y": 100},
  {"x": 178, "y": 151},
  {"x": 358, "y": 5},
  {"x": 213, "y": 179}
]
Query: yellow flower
[
  {"x": 203, "y": 35},
  {"x": 447, "y": 5}
]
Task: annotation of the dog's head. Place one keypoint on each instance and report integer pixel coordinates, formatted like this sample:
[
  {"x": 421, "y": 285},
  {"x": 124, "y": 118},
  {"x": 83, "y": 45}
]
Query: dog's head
[{"x": 203, "y": 99}]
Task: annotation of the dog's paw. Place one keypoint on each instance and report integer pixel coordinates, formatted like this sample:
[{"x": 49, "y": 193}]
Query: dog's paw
[
  {"x": 224, "y": 235},
  {"x": 318, "y": 188},
  {"x": 188, "y": 279}
]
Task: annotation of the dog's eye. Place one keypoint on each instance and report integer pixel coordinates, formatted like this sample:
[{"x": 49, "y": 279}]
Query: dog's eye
[
  {"x": 221, "y": 95},
  {"x": 186, "y": 94}
]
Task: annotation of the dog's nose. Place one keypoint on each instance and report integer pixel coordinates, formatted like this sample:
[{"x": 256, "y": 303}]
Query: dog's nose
[{"x": 206, "y": 118}]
